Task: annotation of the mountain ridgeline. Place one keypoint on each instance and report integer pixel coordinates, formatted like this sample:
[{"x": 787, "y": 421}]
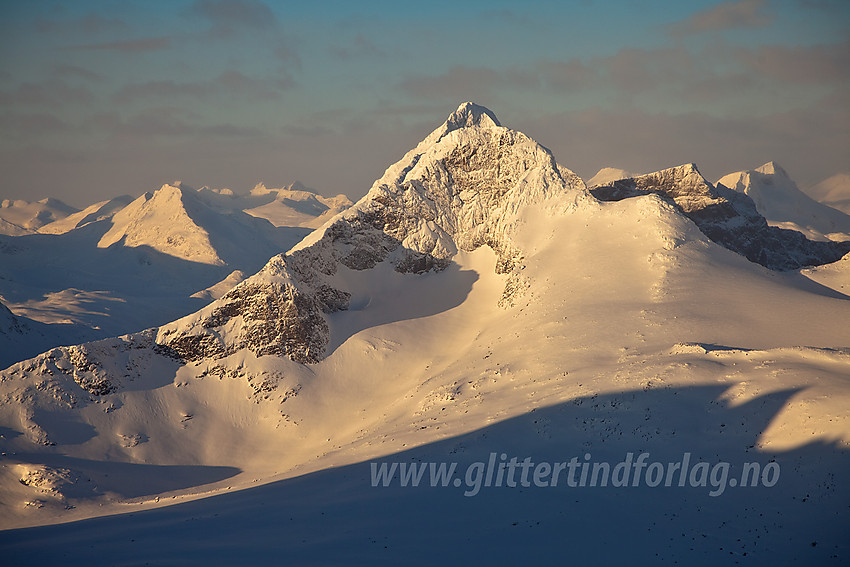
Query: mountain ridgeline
[
  {"x": 461, "y": 188},
  {"x": 728, "y": 217}
]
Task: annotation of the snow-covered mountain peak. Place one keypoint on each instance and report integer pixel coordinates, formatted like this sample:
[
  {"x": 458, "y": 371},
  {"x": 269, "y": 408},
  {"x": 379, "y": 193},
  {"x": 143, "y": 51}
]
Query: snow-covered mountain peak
[
  {"x": 465, "y": 186},
  {"x": 467, "y": 116},
  {"x": 730, "y": 215},
  {"x": 181, "y": 222},
  {"x": 608, "y": 175},
  {"x": 471, "y": 114},
  {"x": 783, "y": 204},
  {"x": 773, "y": 168},
  {"x": 161, "y": 221}
]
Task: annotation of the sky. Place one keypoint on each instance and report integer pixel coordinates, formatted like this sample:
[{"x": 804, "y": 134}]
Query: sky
[{"x": 103, "y": 98}]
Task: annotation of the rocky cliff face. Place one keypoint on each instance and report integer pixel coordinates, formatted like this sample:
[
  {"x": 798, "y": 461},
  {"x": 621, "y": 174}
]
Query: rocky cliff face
[{"x": 728, "y": 218}]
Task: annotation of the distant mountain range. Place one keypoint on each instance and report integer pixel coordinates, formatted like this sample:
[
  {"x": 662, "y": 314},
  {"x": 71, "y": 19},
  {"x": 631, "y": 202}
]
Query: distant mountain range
[{"x": 127, "y": 264}]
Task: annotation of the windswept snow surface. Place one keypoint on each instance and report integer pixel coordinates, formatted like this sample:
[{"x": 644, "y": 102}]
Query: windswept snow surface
[{"x": 477, "y": 300}]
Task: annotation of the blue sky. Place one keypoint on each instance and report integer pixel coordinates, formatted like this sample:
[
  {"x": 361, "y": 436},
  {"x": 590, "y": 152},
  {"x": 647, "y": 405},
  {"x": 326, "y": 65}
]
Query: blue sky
[{"x": 103, "y": 98}]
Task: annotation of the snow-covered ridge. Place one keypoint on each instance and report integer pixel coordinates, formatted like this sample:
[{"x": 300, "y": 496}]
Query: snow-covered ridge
[
  {"x": 727, "y": 217},
  {"x": 93, "y": 213}
]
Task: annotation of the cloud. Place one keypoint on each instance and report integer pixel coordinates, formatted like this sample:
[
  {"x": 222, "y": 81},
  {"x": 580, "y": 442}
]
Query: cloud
[
  {"x": 226, "y": 17},
  {"x": 128, "y": 46},
  {"x": 72, "y": 71},
  {"x": 32, "y": 124},
  {"x": 510, "y": 17},
  {"x": 723, "y": 16},
  {"x": 90, "y": 24},
  {"x": 165, "y": 122},
  {"x": 52, "y": 93},
  {"x": 717, "y": 79},
  {"x": 826, "y": 5},
  {"x": 468, "y": 83},
  {"x": 568, "y": 75},
  {"x": 161, "y": 89},
  {"x": 361, "y": 47},
  {"x": 809, "y": 141},
  {"x": 229, "y": 83},
  {"x": 800, "y": 64},
  {"x": 286, "y": 53}
]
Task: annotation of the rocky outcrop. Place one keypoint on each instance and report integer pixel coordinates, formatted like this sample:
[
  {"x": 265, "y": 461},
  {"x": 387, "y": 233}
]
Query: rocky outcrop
[{"x": 727, "y": 217}]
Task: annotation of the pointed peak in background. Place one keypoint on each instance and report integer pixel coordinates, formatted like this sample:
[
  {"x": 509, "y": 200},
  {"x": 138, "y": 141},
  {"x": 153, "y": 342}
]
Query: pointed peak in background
[
  {"x": 772, "y": 168},
  {"x": 687, "y": 168},
  {"x": 261, "y": 189},
  {"x": 608, "y": 175}
]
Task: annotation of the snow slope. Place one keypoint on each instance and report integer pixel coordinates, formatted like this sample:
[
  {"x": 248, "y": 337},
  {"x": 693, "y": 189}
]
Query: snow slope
[
  {"x": 23, "y": 338},
  {"x": 834, "y": 192},
  {"x": 778, "y": 199},
  {"x": 93, "y": 213},
  {"x": 31, "y": 215},
  {"x": 476, "y": 300},
  {"x": 11, "y": 229}
]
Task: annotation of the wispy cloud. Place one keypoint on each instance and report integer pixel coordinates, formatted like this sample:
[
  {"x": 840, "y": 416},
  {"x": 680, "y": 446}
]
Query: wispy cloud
[
  {"x": 51, "y": 93},
  {"x": 129, "y": 46},
  {"x": 467, "y": 83},
  {"x": 800, "y": 64},
  {"x": 808, "y": 141},
  {"x": 64, "y": 70},
  {"x": 227, "y": 17},
  {"x": 90, "y": 24},
  {"x": 731, "y": 80},
  {"x": 32, "y": 124},
  {"x": 361, "y": 46},
  {"x": 166, "y": 122},
  {"x": 723, "y": 16},
  {"x": 229, "y": 83}
]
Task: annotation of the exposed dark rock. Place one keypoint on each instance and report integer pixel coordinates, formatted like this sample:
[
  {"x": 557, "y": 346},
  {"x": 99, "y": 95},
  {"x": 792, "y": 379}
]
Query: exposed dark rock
[{"x": 728, "y": 218}]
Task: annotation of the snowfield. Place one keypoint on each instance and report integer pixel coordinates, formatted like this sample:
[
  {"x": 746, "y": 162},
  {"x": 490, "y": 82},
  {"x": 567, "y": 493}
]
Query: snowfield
[{"x": 478, "y": 300}]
